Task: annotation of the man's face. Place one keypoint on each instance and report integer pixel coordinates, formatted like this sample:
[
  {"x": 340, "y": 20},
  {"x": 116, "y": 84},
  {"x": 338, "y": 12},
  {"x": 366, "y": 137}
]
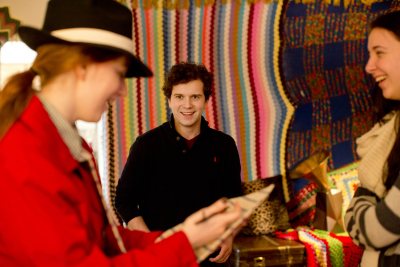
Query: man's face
[{"x": 187, "y": 104}]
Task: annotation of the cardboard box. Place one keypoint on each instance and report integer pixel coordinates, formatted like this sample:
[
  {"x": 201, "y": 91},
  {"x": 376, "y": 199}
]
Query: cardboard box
[{"x": 328, "y": 214}]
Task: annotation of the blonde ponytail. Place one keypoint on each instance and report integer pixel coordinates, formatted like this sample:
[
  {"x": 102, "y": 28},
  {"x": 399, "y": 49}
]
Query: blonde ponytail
[{"x": 14, "y": 98}]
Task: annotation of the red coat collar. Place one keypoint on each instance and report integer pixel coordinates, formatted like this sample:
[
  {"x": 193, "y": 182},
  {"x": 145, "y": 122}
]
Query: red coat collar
[{"x": 35, "y": 128}]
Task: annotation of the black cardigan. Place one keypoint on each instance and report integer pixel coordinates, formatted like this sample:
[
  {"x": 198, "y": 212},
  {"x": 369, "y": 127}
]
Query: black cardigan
[{"x": 163, "y": 181}]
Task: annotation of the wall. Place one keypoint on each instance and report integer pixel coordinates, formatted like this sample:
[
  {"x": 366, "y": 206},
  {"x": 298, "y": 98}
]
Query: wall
[
  {"x": 31, "y": 13},
  {"x": 28, "y": 12}
]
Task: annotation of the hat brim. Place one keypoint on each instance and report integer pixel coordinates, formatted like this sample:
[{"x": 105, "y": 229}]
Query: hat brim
[{"x": 34, "y": 38}]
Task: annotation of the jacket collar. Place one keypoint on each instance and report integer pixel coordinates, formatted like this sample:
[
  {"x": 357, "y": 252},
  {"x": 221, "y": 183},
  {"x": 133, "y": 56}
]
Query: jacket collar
[
  {"x": 203, "y": 126},
  {"x": 44, "y": 131},
  {"x": 69, "y": 133}
]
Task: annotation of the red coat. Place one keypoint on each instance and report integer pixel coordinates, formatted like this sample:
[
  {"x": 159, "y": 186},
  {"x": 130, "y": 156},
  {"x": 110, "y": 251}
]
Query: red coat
[{"x": 50, "y": 211}]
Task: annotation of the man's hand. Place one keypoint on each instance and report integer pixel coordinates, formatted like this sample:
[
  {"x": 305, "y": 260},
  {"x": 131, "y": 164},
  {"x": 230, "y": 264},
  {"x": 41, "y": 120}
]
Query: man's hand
[
  {"x": 138, "y": 223},
  {"x": 226, "y": 249}
]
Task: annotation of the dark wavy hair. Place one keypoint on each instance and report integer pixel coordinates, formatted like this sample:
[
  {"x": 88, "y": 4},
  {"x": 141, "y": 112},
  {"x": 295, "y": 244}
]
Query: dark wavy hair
[
  {"x": 382, "y": 106},
  {"x": 185, "y": 72}
]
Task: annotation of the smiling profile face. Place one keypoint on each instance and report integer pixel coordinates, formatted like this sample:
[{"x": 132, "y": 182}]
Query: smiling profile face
[
  {"x": 102, "y": 84},
  {"x": 384, "y": 62}
]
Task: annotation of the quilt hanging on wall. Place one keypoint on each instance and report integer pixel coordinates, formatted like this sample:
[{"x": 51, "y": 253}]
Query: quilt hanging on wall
[
  {"x": 324, "y": 52},
  {"x": 235, "y": 40}
]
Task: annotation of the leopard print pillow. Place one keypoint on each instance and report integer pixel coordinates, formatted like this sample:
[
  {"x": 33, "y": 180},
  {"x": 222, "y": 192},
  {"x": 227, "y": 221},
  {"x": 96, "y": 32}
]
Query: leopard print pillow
[{"x": 270, "y": 215}]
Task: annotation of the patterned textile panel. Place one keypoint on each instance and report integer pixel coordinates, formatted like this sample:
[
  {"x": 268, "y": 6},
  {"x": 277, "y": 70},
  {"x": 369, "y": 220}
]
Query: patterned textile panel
[
  {"x": 346, "y": 180},
  {"x": 323, "y": 57},
  {"x": 8, "y": 25},
  {"x": 238, "y": 42},
  {"x": 302, "y": 205}
]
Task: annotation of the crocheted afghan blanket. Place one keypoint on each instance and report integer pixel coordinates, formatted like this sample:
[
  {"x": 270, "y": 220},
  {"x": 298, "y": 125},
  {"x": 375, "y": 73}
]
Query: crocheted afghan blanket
[
  {"x": 238, "y": 41},
  {"x": 325, "y": 249},
  {"x": 324, "y": 52},
  {"x": 289, "y": 77}
]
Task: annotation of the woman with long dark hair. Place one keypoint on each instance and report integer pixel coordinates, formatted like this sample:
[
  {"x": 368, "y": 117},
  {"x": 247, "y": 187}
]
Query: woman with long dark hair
[{"x": 373, "y": 217}]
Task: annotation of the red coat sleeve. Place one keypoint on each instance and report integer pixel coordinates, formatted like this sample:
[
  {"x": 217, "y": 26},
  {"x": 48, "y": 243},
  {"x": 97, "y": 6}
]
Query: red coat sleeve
[
  {"x": 142, "y": 243},
  {"x": 42, "y": 227}
]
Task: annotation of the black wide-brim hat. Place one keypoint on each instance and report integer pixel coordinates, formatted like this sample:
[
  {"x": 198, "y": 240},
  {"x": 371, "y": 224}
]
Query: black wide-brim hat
[{"x": 99, "y": 23}]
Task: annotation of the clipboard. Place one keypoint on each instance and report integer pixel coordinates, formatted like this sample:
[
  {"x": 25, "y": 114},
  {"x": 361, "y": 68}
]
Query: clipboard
[{"x": 248, "y": 203}]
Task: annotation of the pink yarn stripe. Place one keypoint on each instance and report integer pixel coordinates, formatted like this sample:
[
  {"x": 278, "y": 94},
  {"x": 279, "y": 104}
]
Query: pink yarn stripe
[
  {"x": 184, "y": 34},
  {"x": 261, "y": 98},
  {"x": 207, "y": 34},
  {"x": 138, "y": 51},
  {"x": 151, "y": 56}
]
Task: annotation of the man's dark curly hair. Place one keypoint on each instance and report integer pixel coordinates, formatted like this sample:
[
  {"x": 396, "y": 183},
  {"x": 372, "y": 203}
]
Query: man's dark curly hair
[{"x": 185, "y": 72}]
